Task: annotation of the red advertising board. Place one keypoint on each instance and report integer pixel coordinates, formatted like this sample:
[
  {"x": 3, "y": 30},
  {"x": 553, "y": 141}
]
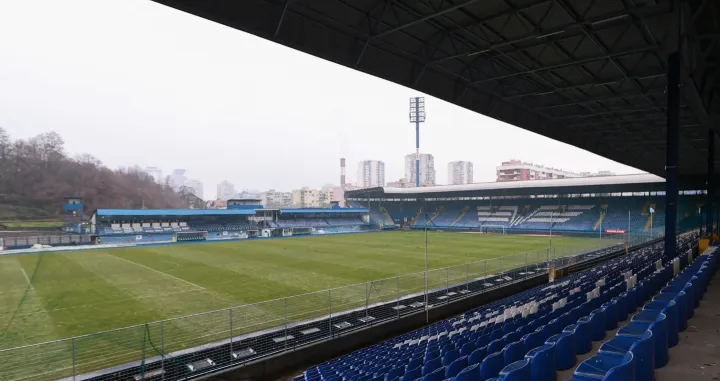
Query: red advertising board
[{"x": 615, "y": 231}]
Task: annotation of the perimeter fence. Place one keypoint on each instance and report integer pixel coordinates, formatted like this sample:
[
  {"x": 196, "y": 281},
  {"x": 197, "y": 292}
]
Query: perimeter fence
[{"x": 188, "y": 346}]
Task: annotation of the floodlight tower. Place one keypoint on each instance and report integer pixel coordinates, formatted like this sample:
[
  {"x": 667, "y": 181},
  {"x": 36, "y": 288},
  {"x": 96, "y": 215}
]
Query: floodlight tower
[{"x": 417, "y": 116}]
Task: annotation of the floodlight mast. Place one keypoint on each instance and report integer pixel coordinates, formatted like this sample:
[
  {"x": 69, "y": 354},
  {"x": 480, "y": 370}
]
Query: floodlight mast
[{"x": 417, "y": 116}]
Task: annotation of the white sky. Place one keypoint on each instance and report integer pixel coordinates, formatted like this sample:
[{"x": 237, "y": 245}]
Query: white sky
[{"x": 134, "y": 82}]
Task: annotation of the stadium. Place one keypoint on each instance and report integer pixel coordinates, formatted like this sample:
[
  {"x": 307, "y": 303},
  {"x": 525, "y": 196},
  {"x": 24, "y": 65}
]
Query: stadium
[
  {"x": 607, "y": 278},
  {"x": 154, "y": 283}
]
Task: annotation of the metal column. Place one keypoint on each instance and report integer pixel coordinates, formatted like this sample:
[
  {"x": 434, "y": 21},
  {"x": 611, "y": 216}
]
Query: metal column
[
  {"x": 671, "y": 159},
  {"x": 710, "y": 182}
]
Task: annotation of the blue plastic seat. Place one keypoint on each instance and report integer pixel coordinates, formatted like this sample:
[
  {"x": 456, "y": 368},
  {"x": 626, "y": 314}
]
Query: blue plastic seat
[
  {"x": 437, "y": 375},
  {"x": 491, "y": 366},
  {"x": 597, "y": 324},
  {"x": 642, "y": 349},
  {"x": 412, "y": 375},
  {"x": 606, "y": 368},
  {"x": 517, "y": 371},
  {"x": 564, "y": 350},
  {"x": 661, "y": 326},
  {"x": 542, "y": 363},
  {"x": 395, "y": 373},
  {"x": 467, "y": 349},
  {"x": 532, "y": 340},
  {"x": 431, "y": 365},
  {"x": 477, "y": 356},
  {"x": 458, "y": 365},
  {"x": 470, "y": 373},
  {"x": 611, "y": 315},
  {"x": 513, "y": 352},
  {"x": 581, "y": 330},
  {"x": 450, "y": 356},
  {"x": 416, "y": 362},
  {"x": 495, "y": 346}
]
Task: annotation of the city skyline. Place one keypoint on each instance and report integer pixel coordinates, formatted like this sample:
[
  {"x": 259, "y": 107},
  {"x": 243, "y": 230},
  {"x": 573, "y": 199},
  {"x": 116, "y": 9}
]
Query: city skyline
[{"x": 178, "y": 107}]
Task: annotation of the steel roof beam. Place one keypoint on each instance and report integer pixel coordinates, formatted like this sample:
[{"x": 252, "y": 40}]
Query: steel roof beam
[
  {"x": 604, "y": 98},
  {"x": 538, "y": 35},
  {"x": 590, "y": 84},
  {"x": 447, "y": 10},
  {"x": 570, "y": 63}
]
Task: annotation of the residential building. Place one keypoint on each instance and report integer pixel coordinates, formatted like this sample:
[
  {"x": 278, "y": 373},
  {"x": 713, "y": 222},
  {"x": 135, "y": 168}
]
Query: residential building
[
  {"x": 306, "y": 197},
  {"x": 460, "y": 172},
  {"x": 515, "y": 170},
  {"x": 273, "y": 199},
  {"x": 597, "y": 174},
  {"x": 156, "y": 174},
  {"x": 196, "y": 186},
  {"x": 326, "y": 195},
  {"x": 371, "y": 173},
  {"x": 177, "y": 179},
  {"x": 225, "y": 191},
  {"x": 400, "y": 183},
  {"x": 427, "y": 169}
]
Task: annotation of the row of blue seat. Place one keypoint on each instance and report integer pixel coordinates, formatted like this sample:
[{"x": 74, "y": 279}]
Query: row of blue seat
[
  {"x": 642, "y": 345},
  {"x": 515, "y": 335}
]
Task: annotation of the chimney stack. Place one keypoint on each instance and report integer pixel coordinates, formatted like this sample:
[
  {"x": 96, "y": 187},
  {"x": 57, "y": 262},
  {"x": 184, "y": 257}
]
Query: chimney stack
[{"x": 342, "y": 172}]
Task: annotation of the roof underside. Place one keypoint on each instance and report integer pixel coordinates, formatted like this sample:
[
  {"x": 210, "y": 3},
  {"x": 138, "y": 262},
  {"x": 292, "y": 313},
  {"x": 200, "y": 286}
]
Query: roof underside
[
  {"x": 608, "y": 184},
  {"x": 173, "y": 212},
  {"x": 591, "y": 73}
]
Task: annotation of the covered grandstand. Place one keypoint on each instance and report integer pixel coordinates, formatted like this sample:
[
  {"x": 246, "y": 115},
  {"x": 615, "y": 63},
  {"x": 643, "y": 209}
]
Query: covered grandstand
[
  {"x": 239, "y": 221},
  {"x": 596, "y": 205}
]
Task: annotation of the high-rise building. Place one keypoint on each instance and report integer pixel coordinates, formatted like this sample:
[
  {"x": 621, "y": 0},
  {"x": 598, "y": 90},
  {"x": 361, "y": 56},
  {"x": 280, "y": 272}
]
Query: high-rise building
[
  {"x": 371, "y": 173},
  {"x": 273, "y": 199},
  {"x": 156, "y": 174},
  {"x": 225, "y": 191},
  {"x": 197, "y": 188},
  {"x": 460, "y": 172},
  {"x": 427, "y": 169},
  {"x": 516, "y": 170},
  {"x": 177, "y": 179},
  {"x": 306, "y": 197}
]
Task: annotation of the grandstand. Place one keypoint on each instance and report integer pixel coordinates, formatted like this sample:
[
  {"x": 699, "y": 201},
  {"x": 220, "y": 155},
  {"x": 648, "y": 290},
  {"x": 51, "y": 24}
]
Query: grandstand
[
  {"x": 584, "y": 205},
  {"x": 168, "y": 225}
]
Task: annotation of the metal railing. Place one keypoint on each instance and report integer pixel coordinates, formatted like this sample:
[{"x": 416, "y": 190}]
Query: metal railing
[{"x": 178, "y": 348}]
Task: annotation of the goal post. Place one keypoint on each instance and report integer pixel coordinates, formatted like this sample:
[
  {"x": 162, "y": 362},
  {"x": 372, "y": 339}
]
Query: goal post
[{"x": 498, "y": 229}]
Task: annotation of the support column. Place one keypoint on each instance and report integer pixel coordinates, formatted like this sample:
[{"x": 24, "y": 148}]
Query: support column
[
  {"x": 671, "y": 159},
  {"x": 710, "y": 182}
]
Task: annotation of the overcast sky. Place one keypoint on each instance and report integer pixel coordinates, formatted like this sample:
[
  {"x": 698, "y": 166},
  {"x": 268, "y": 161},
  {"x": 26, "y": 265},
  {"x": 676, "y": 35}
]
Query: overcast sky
[{"x": 134, "y": 82}]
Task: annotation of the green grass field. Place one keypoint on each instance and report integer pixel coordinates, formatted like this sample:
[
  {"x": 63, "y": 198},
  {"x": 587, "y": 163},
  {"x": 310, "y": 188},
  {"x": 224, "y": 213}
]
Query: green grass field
[{"x": 58, "y": 295}]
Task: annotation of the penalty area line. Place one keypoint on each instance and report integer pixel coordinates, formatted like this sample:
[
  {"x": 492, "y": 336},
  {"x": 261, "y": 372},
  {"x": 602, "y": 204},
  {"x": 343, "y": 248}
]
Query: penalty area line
[{"x": 159, "y": 272}]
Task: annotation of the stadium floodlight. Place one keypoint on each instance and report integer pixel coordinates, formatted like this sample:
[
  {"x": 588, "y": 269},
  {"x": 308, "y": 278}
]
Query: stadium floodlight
[{"x": 417, "y": 116}]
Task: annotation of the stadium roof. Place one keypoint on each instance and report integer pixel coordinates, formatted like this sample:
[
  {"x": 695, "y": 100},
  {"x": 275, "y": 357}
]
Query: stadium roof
[
  {"x": 321, "y": 210},
  {"x": 600, "y": 184},
  {"x": 590, "y": 73},
  {"x": 173, "y": 212}
]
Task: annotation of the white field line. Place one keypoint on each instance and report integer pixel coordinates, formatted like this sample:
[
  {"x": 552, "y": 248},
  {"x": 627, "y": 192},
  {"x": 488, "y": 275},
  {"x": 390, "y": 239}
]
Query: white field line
[
  {"x": 27, "y": 278},
  {"x": 159, "y": 272}
]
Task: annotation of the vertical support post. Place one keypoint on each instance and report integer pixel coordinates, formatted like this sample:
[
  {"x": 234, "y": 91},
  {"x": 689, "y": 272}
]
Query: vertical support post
[
  {"x": 285, "y": 320},
  {"x": 330, "y": 312},
  {"x": 710, "y": 182},
  {"x": 427, "y": 313},
  {"x": 467, "y": 277},
  {"x": 73, "y": 359},
  {"x": 367, "y": 299},
  {"x": 162, "y": 346},
  {"x": 230, "y": 323},
  {"x": 397, "y": 293},
  {"x": 447, "y": 284},
  {"x": 486, "y": 274},
  {"x": 672, "y": 155}
]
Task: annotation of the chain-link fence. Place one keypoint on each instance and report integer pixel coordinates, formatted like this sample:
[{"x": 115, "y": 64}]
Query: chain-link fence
[{"x": 191, "y": 345}]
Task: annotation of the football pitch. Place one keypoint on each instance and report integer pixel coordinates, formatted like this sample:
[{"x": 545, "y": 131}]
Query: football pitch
[{"x": 52, "y": 296}]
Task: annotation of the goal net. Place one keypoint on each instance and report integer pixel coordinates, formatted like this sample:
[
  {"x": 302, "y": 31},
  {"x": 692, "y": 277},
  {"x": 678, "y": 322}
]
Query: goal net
[{"x": 497, "y": 229}]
